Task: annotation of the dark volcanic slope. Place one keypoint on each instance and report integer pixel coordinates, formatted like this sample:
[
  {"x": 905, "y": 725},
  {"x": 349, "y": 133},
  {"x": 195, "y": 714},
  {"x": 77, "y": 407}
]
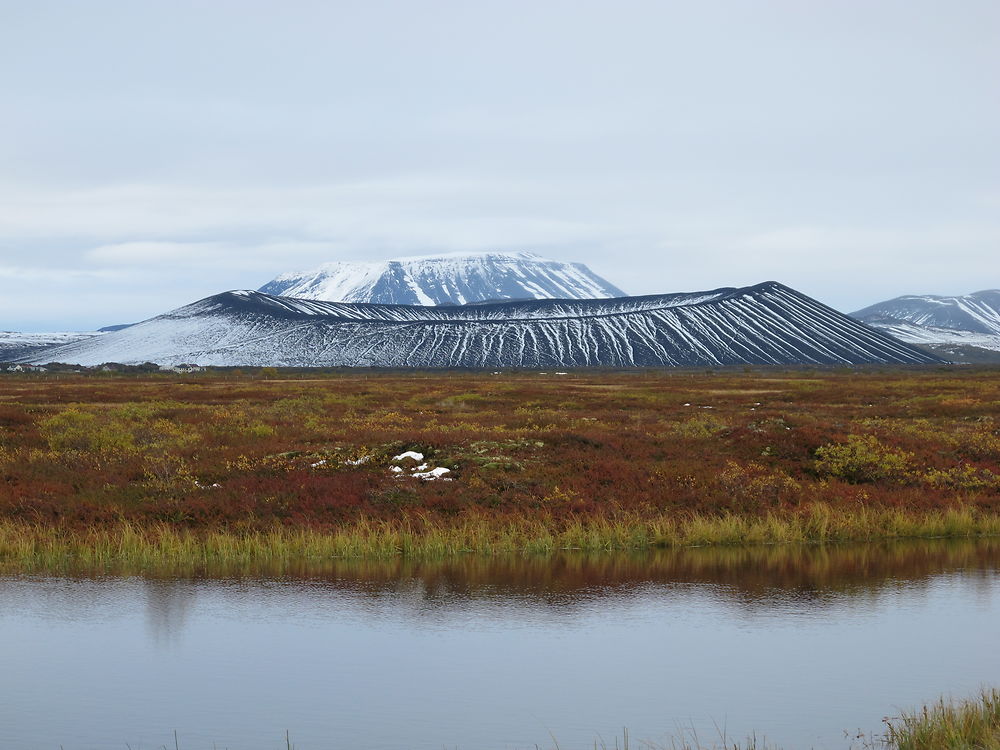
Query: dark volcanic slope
[{"x": 763, "y": 324}]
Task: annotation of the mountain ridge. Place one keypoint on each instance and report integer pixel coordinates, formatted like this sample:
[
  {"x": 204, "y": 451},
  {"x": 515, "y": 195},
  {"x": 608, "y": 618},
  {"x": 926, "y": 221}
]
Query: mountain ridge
[
  {"x": 950, "y": 324},
  {"x": 15, "y": 345},
  {"x": 767, "y": 323}
]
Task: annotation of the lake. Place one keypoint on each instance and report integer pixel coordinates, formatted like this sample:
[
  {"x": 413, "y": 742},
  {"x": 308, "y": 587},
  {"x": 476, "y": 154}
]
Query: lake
[{"x": 796, "y": 644}]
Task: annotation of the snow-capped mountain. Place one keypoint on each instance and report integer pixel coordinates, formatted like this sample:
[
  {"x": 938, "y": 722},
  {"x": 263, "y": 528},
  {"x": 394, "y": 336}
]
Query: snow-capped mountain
[
  {"x": 15, "y": 345},
  {"x": 456, "y": 279},
  {"x": 946, "y": 324},
  {"x": 763, "y": 324}
]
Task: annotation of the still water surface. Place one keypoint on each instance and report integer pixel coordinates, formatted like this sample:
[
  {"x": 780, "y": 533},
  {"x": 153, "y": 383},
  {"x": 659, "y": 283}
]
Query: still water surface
[{"x": 797, "y": 645}]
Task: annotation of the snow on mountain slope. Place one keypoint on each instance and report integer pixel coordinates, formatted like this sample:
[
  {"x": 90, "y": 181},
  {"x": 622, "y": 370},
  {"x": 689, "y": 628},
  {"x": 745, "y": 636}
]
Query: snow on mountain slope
[
  {"x": 445, "y": 280},
  {"x": 763, "y": 324},
  {"x": 15, "y": 345},
  {"x": 970, "y": 320}
]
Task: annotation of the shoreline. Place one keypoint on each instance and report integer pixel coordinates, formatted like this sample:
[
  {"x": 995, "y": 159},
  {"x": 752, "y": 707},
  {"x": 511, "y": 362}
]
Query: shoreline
[
  {"x": 421, "y": 536},
  {"x": 946, "y": 724}
]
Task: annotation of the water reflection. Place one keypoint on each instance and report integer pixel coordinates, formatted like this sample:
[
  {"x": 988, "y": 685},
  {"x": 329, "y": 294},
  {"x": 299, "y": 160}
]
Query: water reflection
[
  {"x": 168, "y": 604},
  {"x": 798, "y": 643},
  {"x": 753, "y": 580}
]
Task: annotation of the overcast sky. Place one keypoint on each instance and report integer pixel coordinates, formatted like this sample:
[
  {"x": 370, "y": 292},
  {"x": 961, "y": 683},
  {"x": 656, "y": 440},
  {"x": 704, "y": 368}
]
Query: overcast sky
[{"x": 153, "y": 153}]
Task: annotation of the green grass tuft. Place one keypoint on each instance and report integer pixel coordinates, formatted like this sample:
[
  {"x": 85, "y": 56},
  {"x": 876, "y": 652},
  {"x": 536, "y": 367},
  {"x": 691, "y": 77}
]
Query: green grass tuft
[{"x": 971, "y": 725}]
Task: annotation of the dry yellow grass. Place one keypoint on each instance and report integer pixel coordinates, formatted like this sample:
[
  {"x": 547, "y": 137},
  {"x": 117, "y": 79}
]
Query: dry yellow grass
[
  {"x": 423, "y": 535},
  {"x": 971, "y": 725}
]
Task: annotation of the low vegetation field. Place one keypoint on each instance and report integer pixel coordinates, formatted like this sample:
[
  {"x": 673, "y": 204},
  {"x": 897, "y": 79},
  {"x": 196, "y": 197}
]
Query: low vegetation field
[{"x": 307, "y": 462}]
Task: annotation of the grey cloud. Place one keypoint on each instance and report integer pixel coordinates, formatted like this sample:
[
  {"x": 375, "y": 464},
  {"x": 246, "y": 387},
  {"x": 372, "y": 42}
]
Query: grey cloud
[{"x": 157, "y": 152}]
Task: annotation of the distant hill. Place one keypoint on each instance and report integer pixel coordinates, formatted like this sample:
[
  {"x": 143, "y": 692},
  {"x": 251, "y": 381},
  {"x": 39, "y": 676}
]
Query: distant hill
[
  {"x": 445, "y": 280},
  {"x": 763, "y": 324},
  {"x": 14, "y": 346},
  {"x": 960, "y": 328}
]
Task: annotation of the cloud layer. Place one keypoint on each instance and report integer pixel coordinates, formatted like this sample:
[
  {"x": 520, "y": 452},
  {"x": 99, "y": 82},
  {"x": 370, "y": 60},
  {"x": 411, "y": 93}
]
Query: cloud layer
[{"x": 157, "y": 153}]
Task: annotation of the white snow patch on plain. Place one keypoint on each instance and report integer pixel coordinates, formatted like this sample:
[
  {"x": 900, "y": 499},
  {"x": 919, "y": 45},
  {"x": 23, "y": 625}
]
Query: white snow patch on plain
[
  {"x": 437, "y": 473},
  {"x": 409, "y": 454}
]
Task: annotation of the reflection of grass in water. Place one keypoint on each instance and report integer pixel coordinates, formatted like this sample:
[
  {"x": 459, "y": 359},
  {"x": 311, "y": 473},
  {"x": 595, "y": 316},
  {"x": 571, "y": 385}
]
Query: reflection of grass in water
[{"x": 971, "y": 725}]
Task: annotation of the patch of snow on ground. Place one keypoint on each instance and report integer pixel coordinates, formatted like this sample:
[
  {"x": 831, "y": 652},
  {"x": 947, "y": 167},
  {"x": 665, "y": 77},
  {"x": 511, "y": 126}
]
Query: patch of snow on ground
[
  {"x": 409, "y": 454},
  {"x": 437, "y": 473}
]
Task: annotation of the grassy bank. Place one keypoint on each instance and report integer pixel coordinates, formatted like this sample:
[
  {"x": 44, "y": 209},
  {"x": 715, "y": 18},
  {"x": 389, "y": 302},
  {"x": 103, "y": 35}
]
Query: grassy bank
[
  {"x": 428, "y": 536},
  {"x": 945, "y": 725}
]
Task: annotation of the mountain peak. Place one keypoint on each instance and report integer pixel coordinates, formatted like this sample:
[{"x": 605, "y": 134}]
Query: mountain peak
[
  {"x": 501, "y": 255},
  {"x": 445, "y": 279}
]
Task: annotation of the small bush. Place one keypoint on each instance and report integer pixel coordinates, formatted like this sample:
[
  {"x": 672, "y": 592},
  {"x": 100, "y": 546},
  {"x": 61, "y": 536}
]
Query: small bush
[
  {"x": 753, "y": 486},
  {"x": 130, "y": 428},
  {"x": 76, "y": 430},
  {"x": 237, "y": 423},
  {"x": 168, "y": 474},
  {"x": 863, "y": 459},
  {"x": 962, "y": 477},
  {"x": 983, "y": 443},
  {"x": 699, "y": 427},
  {"x": 560, "y": 497}
]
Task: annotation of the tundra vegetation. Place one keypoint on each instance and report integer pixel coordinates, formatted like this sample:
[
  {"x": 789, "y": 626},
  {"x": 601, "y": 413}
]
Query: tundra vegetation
[
  {"x": 258, "y": 465},
  {"x": 947, "y": 725}
]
